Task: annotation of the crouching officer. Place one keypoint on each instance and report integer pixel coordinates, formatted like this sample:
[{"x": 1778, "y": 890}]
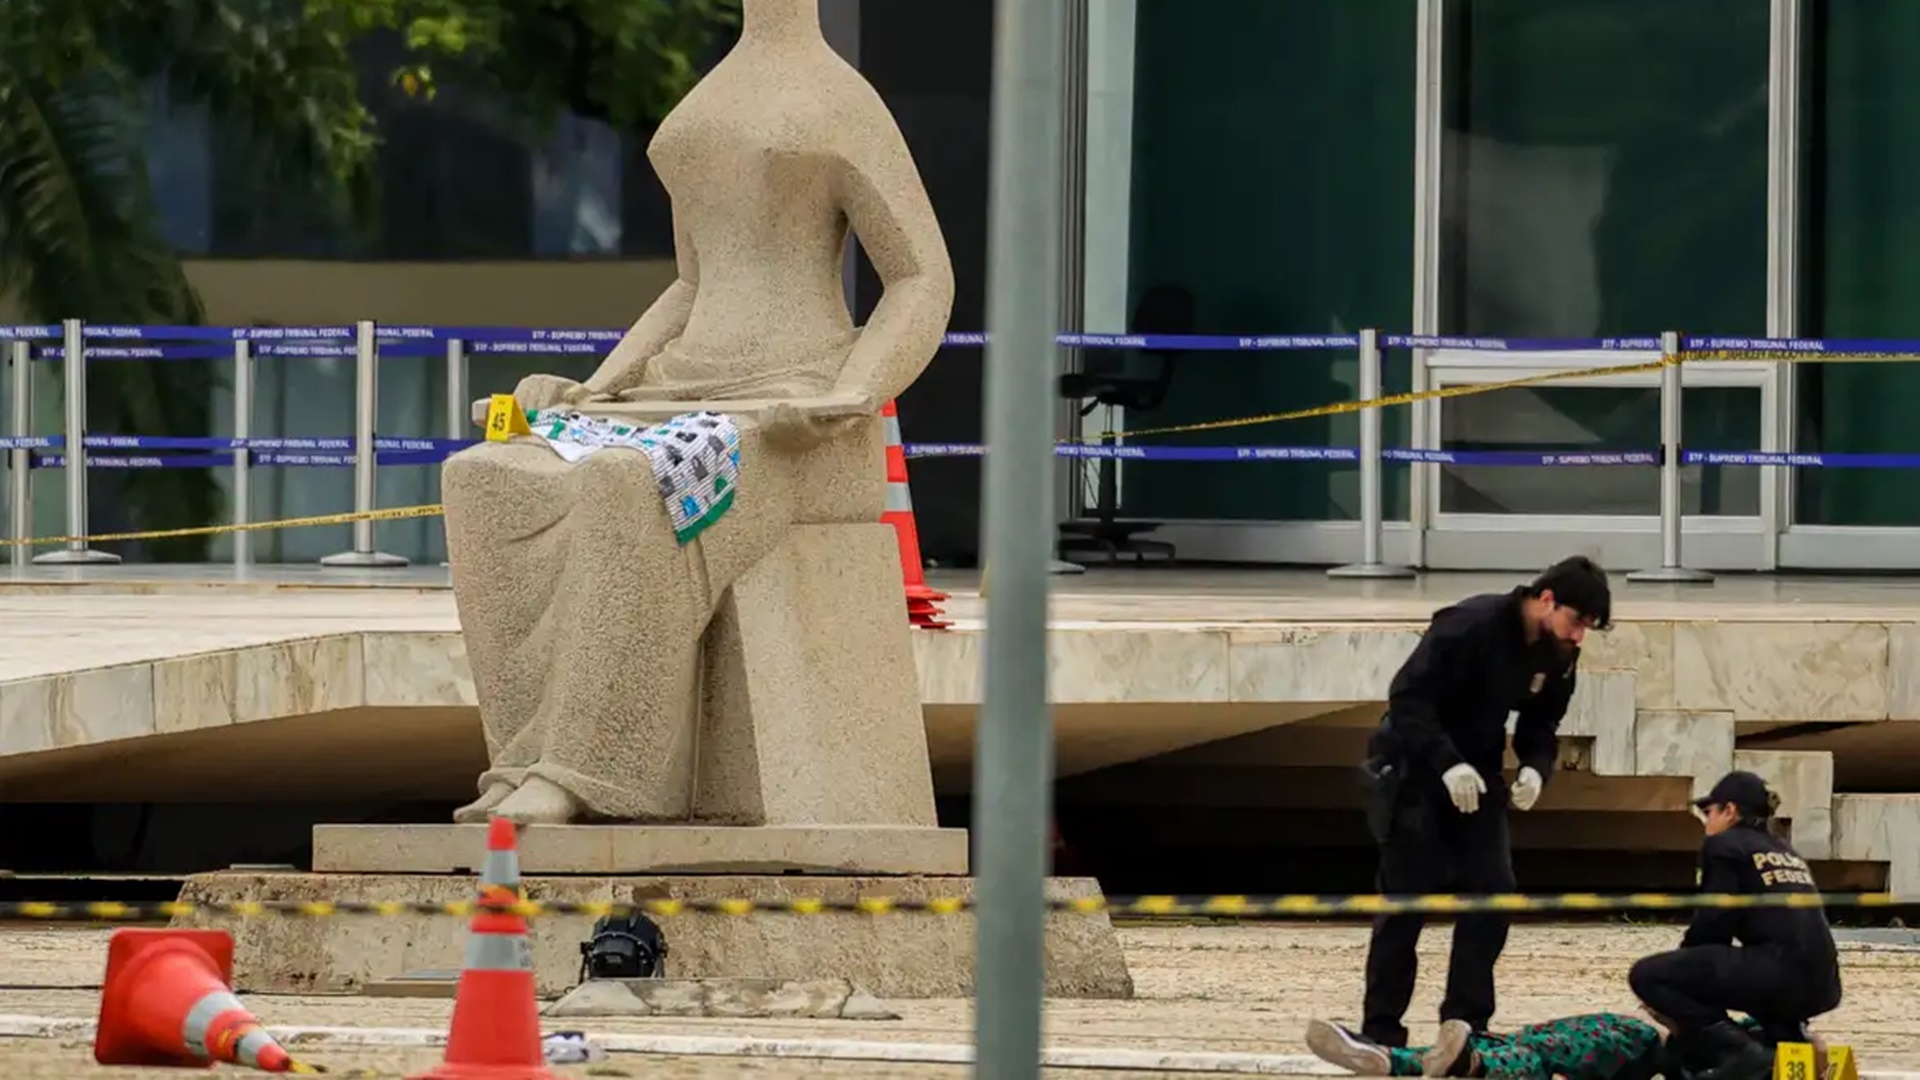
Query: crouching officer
[
  {"x": 1438, "y": 804},
  {"x": 1783, "y": 972}
]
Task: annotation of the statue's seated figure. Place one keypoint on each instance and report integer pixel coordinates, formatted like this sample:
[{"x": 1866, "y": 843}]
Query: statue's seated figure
[{"x": 583, "y": 614}]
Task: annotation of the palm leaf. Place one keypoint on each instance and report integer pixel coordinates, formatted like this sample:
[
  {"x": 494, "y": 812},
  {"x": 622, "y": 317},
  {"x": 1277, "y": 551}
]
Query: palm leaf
[{"x": 77, "y": 240}]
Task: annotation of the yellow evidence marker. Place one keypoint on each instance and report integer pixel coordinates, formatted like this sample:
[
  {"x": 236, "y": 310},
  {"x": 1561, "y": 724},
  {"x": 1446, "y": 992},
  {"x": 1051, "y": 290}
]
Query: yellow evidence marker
[
  {"x": 1794, "y": 1061},
  {"x": 1840, "y": 1063},
  {"x": 505, "y": 418}
]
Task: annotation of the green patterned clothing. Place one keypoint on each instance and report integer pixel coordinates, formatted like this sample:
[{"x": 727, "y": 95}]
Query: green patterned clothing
[{"x": 1598, "y": 1046}]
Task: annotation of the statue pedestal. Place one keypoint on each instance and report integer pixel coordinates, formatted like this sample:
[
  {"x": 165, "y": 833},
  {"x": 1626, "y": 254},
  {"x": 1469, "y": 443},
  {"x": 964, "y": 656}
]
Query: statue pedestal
[
  {"x": 899, "y": 955},
  {"x": 646, "y": 849}
]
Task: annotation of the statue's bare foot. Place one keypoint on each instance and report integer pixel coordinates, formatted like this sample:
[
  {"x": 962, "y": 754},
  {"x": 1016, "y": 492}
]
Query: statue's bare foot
[
  {"x": 539, "y": 802},
  {"x": 477, "y": 811}
]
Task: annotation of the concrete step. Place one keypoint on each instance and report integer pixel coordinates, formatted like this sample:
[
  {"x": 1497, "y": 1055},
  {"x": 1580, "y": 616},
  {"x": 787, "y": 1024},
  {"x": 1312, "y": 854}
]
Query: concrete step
[
  {"x": 1881, "y": 828},
  {"x": 1804, "y": 781}
]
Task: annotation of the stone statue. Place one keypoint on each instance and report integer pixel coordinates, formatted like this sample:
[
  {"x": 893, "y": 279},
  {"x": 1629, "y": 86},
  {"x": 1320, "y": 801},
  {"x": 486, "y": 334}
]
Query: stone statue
[{"x": 583, "y": 615}]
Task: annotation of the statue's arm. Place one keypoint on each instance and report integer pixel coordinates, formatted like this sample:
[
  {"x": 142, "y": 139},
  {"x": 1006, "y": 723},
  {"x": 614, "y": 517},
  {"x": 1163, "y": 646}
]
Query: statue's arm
[
  {"x": 888, "y": 209},
  {"x": 662, "y": 322}
]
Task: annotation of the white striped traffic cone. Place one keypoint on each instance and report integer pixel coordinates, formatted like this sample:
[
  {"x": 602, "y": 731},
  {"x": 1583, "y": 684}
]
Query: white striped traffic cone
[
  {"x": 923, "y": 608},
  {"x": 496, "y": 1022}
]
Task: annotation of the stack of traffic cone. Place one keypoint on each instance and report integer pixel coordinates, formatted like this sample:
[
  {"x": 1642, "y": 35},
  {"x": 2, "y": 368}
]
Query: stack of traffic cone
[
  {"x": 496, "y": 1023},
  {"x": 169, "y": 1001},
  {"x": 923, "y": 607}
]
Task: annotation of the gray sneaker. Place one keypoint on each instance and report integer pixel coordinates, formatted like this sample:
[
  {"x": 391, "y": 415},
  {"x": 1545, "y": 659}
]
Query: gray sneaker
[
  {"x": 1452, "y": 1051},
  {"x": 1357, "y": 1054}
]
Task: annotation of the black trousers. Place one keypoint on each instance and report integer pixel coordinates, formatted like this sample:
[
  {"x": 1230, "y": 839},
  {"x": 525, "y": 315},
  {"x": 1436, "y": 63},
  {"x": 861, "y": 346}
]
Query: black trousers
[
  {"x": 1694, "y": 988},
  {"x": 1430, "y": 846}
]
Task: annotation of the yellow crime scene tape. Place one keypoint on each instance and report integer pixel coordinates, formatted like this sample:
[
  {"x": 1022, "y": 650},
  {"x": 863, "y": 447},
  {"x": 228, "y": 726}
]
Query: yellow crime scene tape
[
  {"x": 395, "y": 514},
  {"x": 1222, "y": 906}
]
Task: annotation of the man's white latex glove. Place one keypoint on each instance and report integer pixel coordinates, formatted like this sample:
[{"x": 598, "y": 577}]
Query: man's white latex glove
[
  {"x": 1464, "y": 786},
  {"x": 1526, "y": 788}
]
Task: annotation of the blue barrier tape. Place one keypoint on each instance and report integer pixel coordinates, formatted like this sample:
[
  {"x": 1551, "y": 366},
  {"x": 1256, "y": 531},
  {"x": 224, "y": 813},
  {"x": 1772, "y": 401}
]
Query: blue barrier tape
[
  {"x": 140, "y": 352},
  {"x": 210, "y": 461},
  {"x": 305, "y": 351},
  {"x": 297, "y": 443},
  {"x": 1852, "y": 346},
  {"x": 1800, "y": 460},
  {"x": 1526, "y": 458},
  {"x": 398, "y": 350},
  {"x": 217, "y": 333},
  {"x": 1509, "y": 458},
  {"x": 1492, "y": 344},
  {"x": 28, "y": 333},
  {"x": 1198, "y": 342},
  {"x": 31, "y": 442}
]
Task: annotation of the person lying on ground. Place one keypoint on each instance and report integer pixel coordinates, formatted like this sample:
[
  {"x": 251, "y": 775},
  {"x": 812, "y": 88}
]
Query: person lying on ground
[{"x": 1594, "y": 1046}]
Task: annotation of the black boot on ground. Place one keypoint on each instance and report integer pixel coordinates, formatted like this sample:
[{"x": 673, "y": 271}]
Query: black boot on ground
[{"x": 1736, "y": 1056}]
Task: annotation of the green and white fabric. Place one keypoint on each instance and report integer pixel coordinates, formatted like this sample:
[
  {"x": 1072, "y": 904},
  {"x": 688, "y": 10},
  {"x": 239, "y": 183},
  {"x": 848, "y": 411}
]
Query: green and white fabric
[{"x": 695, "y": 457}]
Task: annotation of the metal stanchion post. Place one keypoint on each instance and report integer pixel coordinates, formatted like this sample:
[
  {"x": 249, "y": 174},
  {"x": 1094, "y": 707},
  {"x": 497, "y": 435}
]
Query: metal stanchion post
[
  {"x": 1671, "y": 570},
  {"x": 1372, "y": 525},
  {"x": 74, "y": 453},
  {"x": 20, "y": 459},
  {"x": 366, "y": 400},
  {"x": 242, "y": 454},
  {"x": 1013, "y": 762},
  {"x": 459, "y": 411}
]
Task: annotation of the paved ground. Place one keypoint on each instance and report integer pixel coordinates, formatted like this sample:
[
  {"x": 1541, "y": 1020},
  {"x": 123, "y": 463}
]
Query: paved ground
[{"x": 1236, "y": 989}]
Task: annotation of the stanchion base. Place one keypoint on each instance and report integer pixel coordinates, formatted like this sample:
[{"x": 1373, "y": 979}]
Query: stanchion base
[
  {"x": 364, "y": 560},
  {"x": 1671, "y": 575},
  {"x": 1061, "y": 566},
  {"x": 70, "y": 557},
  {"x": 1372, "y": 571}
]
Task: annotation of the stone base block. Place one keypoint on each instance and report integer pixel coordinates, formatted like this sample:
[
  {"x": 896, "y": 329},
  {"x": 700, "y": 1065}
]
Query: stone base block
[
  {"x": 646, "y": 849},
  {"x": 733, "y": 999},
  {"x": 902, "y": 955}
]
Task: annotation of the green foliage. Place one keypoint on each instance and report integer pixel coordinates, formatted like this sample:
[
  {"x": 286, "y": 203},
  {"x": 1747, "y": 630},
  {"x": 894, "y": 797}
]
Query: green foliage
[{"x": 77, "y": 222}]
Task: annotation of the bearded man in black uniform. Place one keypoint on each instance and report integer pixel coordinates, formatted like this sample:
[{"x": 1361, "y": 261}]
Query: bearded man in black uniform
[{"x": 1439, "y": 798}]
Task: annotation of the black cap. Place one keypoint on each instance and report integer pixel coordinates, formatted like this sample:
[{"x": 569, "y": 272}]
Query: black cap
[{"x": 1742, "y": 790}]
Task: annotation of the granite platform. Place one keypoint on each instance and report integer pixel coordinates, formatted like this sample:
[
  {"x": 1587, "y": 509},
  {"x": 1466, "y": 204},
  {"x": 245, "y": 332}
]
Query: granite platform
[
  {"x": 161, "y": 684},
  {"x": 646, "y": 849},
  {"x": 896, "y": 955}
]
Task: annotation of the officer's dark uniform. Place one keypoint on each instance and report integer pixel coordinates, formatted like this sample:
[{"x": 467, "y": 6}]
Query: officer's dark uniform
[
  {"x": 1447, "y": 705},
  {"x": 1784, "y": 971}
]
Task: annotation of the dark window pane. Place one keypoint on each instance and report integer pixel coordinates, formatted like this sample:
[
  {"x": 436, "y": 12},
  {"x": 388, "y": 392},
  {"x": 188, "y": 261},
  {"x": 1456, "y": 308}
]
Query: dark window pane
[
  {"x": 1862, "y": 229},
  {"x": 1606, "y": 175},
  {"x": 1273, "y": 179},
  {"x": 1606, "y": 167},
  {"x": 1571, "y": 419}
]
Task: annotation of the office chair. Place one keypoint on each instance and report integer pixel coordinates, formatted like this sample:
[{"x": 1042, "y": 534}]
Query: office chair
[{"x": 1162, "y": 309}]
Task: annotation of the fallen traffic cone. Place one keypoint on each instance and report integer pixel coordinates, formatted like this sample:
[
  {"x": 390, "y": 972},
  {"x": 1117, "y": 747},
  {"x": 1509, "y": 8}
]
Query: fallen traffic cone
[
  {"x": 168, "y": 1000},
  {"x": 923, "y": 607},
  {"x": 496, "y": 1023}
]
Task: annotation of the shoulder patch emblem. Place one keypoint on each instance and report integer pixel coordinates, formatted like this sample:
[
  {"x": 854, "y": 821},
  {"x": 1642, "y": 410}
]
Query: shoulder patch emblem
[{"x": 1539, "y": 681}]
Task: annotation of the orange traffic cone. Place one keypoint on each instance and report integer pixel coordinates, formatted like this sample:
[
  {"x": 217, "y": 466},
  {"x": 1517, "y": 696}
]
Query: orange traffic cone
[
  {"x": 496, "y": 1024},
  {"x": 168, "y": 1001},
  {"x": 923, "y": 607}
]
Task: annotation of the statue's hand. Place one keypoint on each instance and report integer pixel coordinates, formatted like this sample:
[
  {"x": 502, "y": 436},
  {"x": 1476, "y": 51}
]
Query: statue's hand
[
  {"x": 809, "y": 422},
  {"x": 549, "y": 391}
]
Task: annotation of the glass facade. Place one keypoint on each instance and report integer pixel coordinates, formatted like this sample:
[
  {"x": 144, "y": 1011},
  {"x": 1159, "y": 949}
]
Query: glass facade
[
  {"x": 1272, "y": 179},
  {"x": 1595, "y": 419},
  {"x": 1861, "y": 229},
  {"x": 461, "y": 177},
  {"x": 1601, "y": 167},
  {"x": 1605, "y": 174}
]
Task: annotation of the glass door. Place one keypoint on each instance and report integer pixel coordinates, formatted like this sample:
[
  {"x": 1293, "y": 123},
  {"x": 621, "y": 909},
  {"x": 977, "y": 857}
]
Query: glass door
[{"x": 1510, "y": 517}]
